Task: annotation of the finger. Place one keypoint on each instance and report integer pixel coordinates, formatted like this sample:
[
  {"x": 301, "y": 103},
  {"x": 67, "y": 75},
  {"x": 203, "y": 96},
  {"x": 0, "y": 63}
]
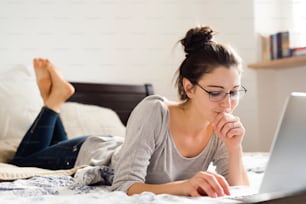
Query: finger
[
  {"x": 219, "y": 120},
  {"x": 194, "y": 193},
  {"x": 235, "y": 132},
  {"x": 230, "y": 128},
  {"x": 202, "y": 185},
  {"x": 218, "y": 117},
  {"x": 207, "y": 189},
  {"x": 213, "y": 186},
  {"x": 224, "y": 184},
  {"x": 237, "y": 129},
  {"x": 227, "y": 118}
]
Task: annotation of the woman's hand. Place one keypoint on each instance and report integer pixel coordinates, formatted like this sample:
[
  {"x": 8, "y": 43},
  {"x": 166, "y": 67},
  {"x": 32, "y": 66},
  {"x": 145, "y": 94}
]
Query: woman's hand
[
  {"x": 229, "y": 129},
  {"x": 206, "y": 183}
]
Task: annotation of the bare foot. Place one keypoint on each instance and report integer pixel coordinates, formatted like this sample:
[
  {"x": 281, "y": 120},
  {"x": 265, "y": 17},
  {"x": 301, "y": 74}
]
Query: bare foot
[
  {"x": 43, "y": 78},
  {"x": 61, "y": 90}
]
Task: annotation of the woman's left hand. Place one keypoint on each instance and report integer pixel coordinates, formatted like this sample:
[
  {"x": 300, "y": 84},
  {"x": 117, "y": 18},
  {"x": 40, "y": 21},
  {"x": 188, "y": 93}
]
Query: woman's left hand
[{"x": 229, "y": 129}]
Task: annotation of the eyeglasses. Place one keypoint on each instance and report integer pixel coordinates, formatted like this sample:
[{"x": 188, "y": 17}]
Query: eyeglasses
[{"x": 216, "y": 96}]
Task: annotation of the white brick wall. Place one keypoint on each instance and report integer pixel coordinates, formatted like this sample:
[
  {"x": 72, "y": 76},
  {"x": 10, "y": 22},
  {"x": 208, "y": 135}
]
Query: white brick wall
[{"x": 127, "y": 41}]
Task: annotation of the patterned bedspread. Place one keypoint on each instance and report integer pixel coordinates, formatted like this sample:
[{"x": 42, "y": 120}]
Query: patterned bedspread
[{"x": 67, "y": 189}]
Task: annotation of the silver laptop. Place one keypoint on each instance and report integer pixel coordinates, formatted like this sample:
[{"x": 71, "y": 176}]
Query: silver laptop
[
  {"x": 286, "y": 168},
  {"x": 285, "y": 173}
]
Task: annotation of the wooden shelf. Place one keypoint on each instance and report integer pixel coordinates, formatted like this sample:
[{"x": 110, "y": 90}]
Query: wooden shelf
[{"x": 280, "y": 63}]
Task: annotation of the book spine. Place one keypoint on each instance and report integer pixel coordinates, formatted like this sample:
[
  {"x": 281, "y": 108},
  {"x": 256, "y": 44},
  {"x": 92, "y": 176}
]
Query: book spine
[
  {"x": 298, "y": 52},
  {"x": 285, "y": 46},
  {"x": 283, "y": 49},
  {"x": 273, "y": 46},
  {"x": 265, "y": 48}
]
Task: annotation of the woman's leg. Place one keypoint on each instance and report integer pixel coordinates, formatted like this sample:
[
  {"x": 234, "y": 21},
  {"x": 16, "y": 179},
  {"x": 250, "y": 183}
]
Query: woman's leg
[
  {"x": 40, "y": 134},
  {"x": 45, "y": 144},
  {"x": 47, "y": 129},
  {"x": 54, "y": 91},
  {"x": 61, "y": 90},
  {"x": 59, "y": 132},
  {"x": 58, "y": 156}
]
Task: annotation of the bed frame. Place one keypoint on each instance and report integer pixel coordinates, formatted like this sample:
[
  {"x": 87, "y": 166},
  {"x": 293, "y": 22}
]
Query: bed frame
[{"x": 122, "y": 98}]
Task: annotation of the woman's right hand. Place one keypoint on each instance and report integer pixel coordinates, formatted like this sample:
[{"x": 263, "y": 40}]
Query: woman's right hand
[{"x": 206, "y": 183}]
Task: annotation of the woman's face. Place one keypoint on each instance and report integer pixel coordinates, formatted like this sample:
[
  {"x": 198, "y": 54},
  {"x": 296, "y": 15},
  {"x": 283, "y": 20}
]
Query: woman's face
[{"x": 220, "y": 80}]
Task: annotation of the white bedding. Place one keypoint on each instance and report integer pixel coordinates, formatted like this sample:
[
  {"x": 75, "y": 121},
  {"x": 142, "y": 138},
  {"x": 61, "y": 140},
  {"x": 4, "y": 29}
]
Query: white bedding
[{"x": 65, "y": 189}]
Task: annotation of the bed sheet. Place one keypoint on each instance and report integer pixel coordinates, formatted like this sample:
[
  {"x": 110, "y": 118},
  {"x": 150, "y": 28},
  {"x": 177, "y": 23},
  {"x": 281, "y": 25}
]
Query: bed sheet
[{"x": 65, "y": 189}]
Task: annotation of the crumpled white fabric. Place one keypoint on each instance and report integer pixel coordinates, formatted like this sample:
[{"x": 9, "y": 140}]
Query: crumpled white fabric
[
  {"x": 94, "y": 175},
  {"x": 99, "y": 150}
]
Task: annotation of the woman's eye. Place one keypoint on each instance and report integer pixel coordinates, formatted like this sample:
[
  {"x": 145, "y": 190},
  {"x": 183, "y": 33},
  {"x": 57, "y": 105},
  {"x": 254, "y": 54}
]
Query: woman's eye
[{"x": 215, "y": 93}]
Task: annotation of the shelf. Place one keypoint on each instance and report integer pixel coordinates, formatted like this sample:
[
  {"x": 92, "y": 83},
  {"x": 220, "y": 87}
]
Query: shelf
[{"x": 280, "y": 63}]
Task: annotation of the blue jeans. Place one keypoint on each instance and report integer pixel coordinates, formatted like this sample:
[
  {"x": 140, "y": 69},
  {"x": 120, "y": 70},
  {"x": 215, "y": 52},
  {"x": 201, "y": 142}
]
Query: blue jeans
[{"x": 46, "y": 145}]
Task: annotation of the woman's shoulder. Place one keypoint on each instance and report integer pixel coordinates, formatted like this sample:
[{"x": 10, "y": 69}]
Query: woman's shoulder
[
  {"x": 154, "y": 102},
  {"x": 153, "y": 108},
  {"x": 155, "y": 98},
  {"x": 150, "y": 117}
]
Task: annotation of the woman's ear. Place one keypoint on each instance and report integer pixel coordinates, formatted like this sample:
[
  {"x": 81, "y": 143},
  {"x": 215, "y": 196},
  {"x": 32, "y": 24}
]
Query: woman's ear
[{"x": 188, "y": 87}]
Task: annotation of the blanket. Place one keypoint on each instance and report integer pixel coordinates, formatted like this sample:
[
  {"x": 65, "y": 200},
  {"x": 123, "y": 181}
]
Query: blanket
[
  {"x": 54, "y": 189},
  {"x": 9, "y": 172}
]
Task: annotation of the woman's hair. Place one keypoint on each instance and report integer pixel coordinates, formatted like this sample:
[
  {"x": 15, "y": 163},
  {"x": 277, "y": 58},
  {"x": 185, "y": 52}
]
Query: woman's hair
[{"x": 203, "y": 55}]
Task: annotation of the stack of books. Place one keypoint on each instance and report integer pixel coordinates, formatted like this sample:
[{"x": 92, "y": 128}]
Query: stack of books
[
  {"x": 298, "y": 52},
  {"x": 275, "y": 46}
]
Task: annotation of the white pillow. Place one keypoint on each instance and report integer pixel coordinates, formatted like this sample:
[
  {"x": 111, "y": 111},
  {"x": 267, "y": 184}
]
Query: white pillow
[
  {"x": 20, "y": 101},
  {"x": 80, "y": 119}
]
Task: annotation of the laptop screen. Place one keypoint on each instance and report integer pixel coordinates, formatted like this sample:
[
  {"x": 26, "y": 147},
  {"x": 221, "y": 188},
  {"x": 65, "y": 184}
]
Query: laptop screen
[{"x": 286, "y": 168}]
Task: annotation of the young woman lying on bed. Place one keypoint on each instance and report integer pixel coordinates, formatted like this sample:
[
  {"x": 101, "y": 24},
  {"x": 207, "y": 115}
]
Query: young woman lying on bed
[{"x": 168, "y": 145}]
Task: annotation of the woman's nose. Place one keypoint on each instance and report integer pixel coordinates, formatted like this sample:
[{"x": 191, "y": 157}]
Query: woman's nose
[{"x": 226, "y": 103}]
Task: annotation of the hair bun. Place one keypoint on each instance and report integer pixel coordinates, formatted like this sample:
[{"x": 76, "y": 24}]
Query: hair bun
[{"x": 196, "y": 39}]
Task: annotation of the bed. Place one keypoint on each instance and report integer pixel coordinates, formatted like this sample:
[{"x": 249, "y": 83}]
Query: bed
[
  {"x": 121, "y": 98},
  {"x": 109, "y": 104}
]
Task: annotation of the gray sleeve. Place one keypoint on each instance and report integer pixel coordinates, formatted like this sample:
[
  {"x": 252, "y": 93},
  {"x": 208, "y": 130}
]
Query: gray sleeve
[
  {"x": 221, "y": 158},
  {"x": 142, "y": 133}
]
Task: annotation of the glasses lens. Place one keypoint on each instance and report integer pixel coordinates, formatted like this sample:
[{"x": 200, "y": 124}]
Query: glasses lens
[
  {"x": 234, "y": 95},
  {"x": 238, "y": 94},
  {"x": 217, "y": 96}
]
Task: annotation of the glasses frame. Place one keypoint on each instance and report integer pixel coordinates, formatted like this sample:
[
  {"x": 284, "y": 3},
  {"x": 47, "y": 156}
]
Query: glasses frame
[{"x": 243, "y": 90}]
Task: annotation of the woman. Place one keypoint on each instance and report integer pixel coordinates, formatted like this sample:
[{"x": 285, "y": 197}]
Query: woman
[{"x": 168, "y": 145}]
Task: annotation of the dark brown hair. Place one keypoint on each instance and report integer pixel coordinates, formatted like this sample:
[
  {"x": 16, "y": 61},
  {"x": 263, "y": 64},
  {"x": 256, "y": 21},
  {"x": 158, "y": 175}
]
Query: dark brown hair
[{"x": 203, "y": 55}]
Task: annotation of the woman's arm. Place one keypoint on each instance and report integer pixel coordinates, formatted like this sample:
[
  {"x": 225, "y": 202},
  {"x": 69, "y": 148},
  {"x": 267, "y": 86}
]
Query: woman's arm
[
  {"x": 202, "y": 183},
  {"x": 141, "y": 138},
  {"x": 174, "y": 188},
  {"x": 231, "y": 131},
  {"x": 237, "y": 172}
]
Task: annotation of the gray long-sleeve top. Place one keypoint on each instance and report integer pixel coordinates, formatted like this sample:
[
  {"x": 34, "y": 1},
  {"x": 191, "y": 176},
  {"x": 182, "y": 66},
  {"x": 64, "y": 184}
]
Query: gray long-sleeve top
[{"x": 149, "y": 155}]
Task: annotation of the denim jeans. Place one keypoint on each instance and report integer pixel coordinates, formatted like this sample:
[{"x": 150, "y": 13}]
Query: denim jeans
[{"x": 46, "y": 145}]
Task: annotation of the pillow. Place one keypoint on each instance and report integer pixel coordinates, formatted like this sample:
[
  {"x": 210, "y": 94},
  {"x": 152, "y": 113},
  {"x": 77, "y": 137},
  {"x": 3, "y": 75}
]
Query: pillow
[
  {"x": 20, "y": 101},
  {"x": 81, "y": 119},
  {"x": 8, "y": 148}
]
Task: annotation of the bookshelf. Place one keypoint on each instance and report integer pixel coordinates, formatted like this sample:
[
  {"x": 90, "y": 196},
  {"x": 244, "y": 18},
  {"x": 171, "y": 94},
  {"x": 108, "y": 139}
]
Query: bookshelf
[{"x": 289, "y": 62}]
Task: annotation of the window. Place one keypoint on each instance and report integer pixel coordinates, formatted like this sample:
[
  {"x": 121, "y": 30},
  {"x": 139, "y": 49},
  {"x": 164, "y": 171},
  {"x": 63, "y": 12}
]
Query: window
[{"x": 298, "y": 34}]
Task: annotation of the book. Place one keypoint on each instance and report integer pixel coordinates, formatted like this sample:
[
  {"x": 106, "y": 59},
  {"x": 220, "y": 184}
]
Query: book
[
  {"x": 283, "y": 46},
  {"x": 298, "y": 52},
  {"x": 273, "y": 46},
  {"x": 265, "y": 48}
]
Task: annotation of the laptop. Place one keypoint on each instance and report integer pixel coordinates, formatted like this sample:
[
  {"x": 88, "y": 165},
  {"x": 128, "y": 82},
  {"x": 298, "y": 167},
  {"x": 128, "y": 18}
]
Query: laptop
[{"x": 285, "y": 173}]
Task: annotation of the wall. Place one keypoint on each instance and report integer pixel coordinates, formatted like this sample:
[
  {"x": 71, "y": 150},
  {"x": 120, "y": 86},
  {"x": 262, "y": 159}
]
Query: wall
[
  {"x": 274, "y": 85},
  {"x": 130, "y": 41}
]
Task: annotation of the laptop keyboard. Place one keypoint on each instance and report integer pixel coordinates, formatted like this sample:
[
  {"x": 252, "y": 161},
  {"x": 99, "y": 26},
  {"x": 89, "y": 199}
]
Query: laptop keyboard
[{"x": 241, "y": 192}]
